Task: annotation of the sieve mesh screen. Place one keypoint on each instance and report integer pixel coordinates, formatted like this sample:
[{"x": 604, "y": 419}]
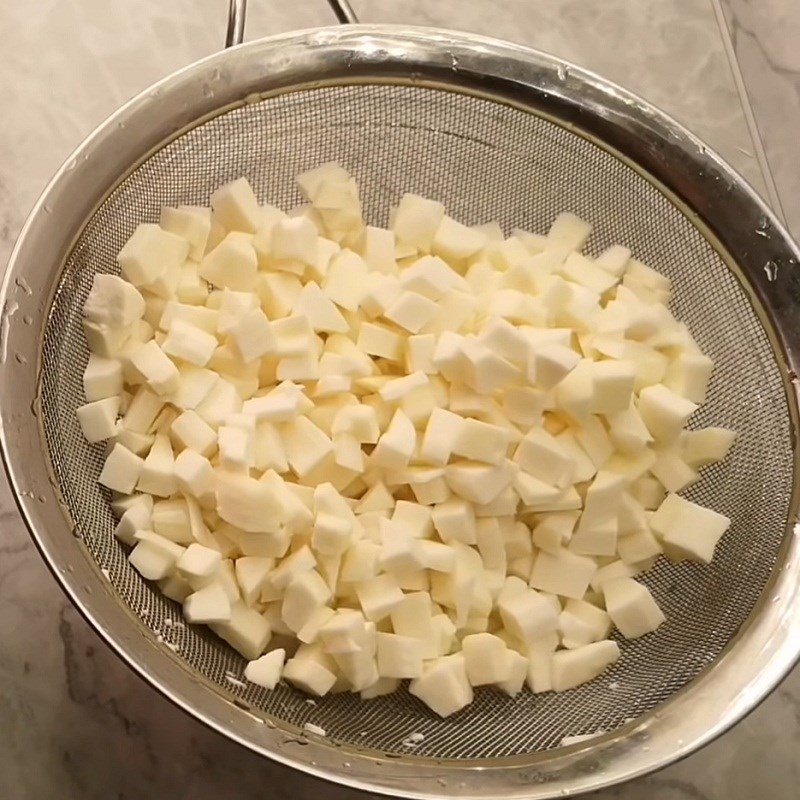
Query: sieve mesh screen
[{"x": 484, "y": 161}]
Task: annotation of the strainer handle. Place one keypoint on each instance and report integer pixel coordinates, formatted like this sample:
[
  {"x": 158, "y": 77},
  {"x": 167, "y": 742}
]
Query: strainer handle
[
  {"x": 237, "y": 11},
  {"x": 344, "y": 13}
]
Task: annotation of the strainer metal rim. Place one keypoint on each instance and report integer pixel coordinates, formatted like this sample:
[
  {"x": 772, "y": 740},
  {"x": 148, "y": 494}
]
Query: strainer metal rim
[{"x": 724, "y": 206}]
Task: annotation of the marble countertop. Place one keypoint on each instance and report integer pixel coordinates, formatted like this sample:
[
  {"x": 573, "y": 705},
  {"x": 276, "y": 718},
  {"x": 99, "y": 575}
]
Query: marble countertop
[{"x": 76, "y": 722}]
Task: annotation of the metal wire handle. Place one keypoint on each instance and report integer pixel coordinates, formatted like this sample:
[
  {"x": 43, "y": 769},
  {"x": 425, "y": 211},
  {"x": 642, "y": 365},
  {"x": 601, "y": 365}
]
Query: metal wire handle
[
  {"x": 237, "y": 11},
  {"x": 344, "y": 13}
]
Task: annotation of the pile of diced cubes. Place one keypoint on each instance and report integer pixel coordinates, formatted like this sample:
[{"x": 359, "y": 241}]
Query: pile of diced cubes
[{"x": 429, "y": 452}]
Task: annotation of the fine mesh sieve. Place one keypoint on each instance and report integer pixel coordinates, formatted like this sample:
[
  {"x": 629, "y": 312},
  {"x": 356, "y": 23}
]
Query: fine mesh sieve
[
  {"x": 494, "y": 132},
  {"x": 522, "y": 171}
]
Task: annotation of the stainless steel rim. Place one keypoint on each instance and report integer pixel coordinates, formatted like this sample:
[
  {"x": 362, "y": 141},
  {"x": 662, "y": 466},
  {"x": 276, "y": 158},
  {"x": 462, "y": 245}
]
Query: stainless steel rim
[{"x": 722, "y": 205}]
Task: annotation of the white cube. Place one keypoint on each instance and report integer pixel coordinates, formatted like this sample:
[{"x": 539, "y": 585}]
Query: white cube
[
  {"x": 160, "y": 373},
  {"x": 702, "y": 447},
  {"x": 444, "y": 686},
  {"x": 252, "y": 336},
  {"x": 378, "y": 340},
  {"x": 485, "y": 656},
  {"x": 192, "y": 223},
  {"x": 359, "y": 421},
  {"x": 232, "y": 264},
  {"x": 688, "y": 530},
  {"x": 481, "y": 441},
  {"x": 189, "y": 343},
  {"x": 113, "y": 301},
  {"x": 311, "y": 670},
  {"x": 266, "y": 671},
  {"x": 135, "y": 518},
  {"x": 455, "y": 242},
  {"x": 411, "y": 311},
  {"x": 236, "y": 207},
  {"x": 477, "y": 482},
  {"x": 306, "y": 445},
  {"x": 613, "y": 386},
  {"x": 98, "y": 420},
  {"x": 571, "y": 668},
  {"x": 688, "y": 375},
  {"x": 399, "y": 656},
  {"x": 396, "y": 445},
  {"x": 527, "y": 615},
  {"x": 346, "y": 280},
  {"x": 360, "y": 562},
  {"x": 441, "y": 435},
  {"x": 170, "y": 519},
  {"x": 631, "y": 607},
  {"x": 378, "y": 247},
  {"x": 121, "y": 470},
  {"x": 378, "y": 596},
  {"x": 150, "y": 252},
  {"x": 306, "y": 592},
  {"x": 151, "y": 562},
  {"x": 246, "y": 630},
  {"x": 102, "y": 378},
  {"x": 193, "y": 432},
  {"x": 541, "y": 455},
  {"x": 158, "y": 471},
  {"x": 209, "y": 604},
  {"x": 568, "y": 230},
  {"x": 251, "y": 575},
  {"x": 517, "y": 670},
  {"x": 664, "y": 412},
  {"x": 563, "y": 573}
]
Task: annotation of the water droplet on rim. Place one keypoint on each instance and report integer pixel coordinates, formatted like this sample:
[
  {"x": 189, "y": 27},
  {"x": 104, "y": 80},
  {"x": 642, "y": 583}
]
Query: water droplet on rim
[{"x": 771, "y": 270}]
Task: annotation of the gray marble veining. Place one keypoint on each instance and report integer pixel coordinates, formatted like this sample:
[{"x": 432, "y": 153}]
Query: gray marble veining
[
  {"x": 765, "y": 36},
  {"x": 75, "y": 721}
]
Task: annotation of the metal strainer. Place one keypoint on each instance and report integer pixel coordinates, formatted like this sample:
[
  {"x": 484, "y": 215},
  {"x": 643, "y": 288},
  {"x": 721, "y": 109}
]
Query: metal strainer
[{"x": 495, "y": 131}]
